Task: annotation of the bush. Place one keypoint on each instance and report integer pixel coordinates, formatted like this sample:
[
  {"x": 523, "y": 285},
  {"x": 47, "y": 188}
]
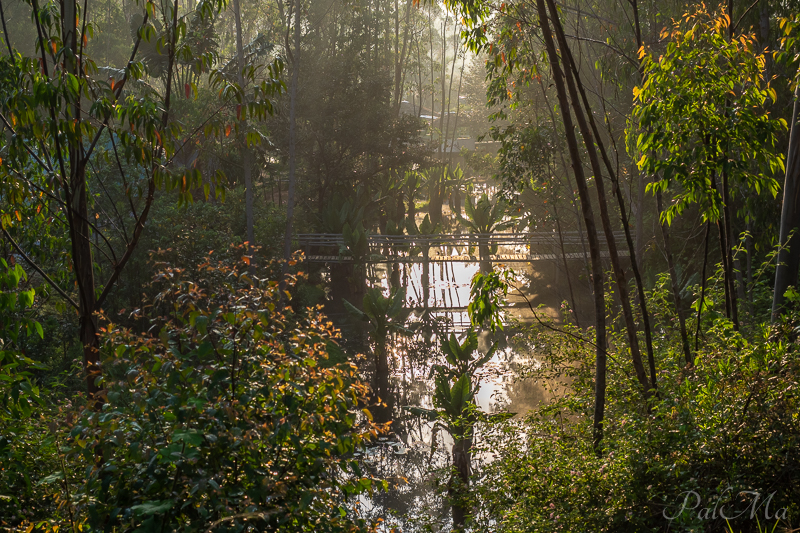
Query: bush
[
  {"x": 720, "y": 432},
  {"x": 224, "y": 417}
]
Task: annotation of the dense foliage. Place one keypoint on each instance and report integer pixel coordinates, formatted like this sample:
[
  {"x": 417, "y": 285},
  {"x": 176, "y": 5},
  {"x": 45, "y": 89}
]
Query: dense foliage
[
  {"x": 228, "y": 413},
  {"x": 724, "y": 429},
  {"x": 167, "y": 364}
]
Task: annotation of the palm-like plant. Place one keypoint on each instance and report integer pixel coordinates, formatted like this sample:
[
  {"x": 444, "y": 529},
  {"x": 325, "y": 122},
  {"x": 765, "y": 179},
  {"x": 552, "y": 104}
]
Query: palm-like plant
[
  {"x": 484, "y": 217},
  {"x": 460, "y": 186},
  {"x": 454, "y": 398},
  {"x": 384, "y": 316},
  {"x": 412, "y": 184},
  {"x": 437, "y": 180}
]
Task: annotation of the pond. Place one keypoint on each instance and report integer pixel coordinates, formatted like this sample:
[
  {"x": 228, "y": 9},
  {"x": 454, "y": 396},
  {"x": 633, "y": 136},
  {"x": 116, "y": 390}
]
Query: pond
[{"x": 416, "y": 451}]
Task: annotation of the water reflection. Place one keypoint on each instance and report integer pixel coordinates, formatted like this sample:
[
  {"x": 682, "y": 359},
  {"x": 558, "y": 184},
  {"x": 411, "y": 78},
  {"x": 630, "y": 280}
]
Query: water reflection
[{"x": 416, "y": 455}]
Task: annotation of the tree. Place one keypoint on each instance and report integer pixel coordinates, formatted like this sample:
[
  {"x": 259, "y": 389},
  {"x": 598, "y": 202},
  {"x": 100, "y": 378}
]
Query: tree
[
  {"x": 702, "y": 127},
  {"x": 788, "y": 260},
  {"x": 247, "y": 170},
  {"x": 75, "y": 137},
  {"x": 484, "y": 217},
  {"x": 425, "y": 231}
]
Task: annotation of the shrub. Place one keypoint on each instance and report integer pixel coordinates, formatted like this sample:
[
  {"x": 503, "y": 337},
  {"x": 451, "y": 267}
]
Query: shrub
[
  {"x": 723, "y": 429},
  {"x": 225, "y": 416}
]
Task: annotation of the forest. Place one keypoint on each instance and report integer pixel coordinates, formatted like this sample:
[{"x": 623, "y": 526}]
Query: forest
[{"x": 400, "y": 266}]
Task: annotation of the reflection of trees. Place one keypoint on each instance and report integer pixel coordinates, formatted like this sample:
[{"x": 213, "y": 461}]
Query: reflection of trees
[
  {"x": 384, "y": 316},
  {"x": 412, "y": 499},
  {"x": 425, "y": 229}
]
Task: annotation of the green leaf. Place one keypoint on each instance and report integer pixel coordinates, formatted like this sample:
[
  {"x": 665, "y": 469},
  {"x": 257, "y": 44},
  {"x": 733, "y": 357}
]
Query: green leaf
[{"x": 151, "y": 508}]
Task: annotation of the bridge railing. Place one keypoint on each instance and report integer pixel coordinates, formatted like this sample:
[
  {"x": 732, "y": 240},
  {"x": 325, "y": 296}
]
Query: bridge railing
[
  {"x": 536, "y": 246},
  {"x": 451, "y": 239}
]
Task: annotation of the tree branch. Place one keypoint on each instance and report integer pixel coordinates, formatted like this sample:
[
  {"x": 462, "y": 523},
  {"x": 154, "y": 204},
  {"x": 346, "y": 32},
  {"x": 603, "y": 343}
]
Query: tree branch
[
  {"x": 39, "y": 270},
  {"x": 754, "y": 4}
]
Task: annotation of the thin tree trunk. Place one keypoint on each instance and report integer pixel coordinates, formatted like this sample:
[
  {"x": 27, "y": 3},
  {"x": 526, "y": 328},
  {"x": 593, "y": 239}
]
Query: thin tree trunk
[
  {"x": 589, "y": 142},
  {"x": 459, "y": 484},
  {"x": 400, "y": 53},
  {"x": 727, "y": 224},
  {"x": 287, "y": 246},
  {"x": 591, "y": 230},
  {"x": 673, "y": 275},
  {"x": 623, "y": 215},
  {"x": 566, "y": 265},
  {"x": 446, "y": 134},
  {"x": 76, "y": 196},
  {"x": 786, "y": 269},
  {"x": 702, "y": 289},
  {"x": 433, "y": 73},
  {"x": 569, "y": 186},
  {"x": 749, "y": 247},
  {"x": 723, "y": 247},
  {"x": 248, "y": 178},
  {"x": 383, "y": 413},
  {"x": 458, "y": 113},
  {"x": 442, "y": 139}
]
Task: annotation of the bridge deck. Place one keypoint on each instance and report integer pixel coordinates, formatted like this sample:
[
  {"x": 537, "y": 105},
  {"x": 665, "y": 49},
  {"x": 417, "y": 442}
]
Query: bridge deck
[{"x": 453, "y": 247}]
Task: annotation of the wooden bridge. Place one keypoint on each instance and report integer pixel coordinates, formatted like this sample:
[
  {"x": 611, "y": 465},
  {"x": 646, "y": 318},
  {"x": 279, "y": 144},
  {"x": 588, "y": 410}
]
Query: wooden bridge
[{"x": 454, "y": 247}]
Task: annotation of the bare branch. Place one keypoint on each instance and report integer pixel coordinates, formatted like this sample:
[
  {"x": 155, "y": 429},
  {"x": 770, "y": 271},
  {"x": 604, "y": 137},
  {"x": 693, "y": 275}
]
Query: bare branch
[{"x": 39, "y": 270}]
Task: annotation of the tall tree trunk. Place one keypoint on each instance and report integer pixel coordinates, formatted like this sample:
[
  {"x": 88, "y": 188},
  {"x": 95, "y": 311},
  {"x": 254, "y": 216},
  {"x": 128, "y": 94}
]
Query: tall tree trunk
[
  {"x": 458, "y": 114},
  {"x": 727, "y": 227},
  {"x": 433, "y": 69},
  {"x": 727, "y": 214},
  {"x": 703, "y": 280},
  {"x": 723, "y": 248},
  {"x": 78, "y": 216},
  {"x": 623, "y": 215},
  {"x": 459, "y": 482},
  {"x": 446, "y": 131},
  {"x": 673, "y": 275},
  {"x": 287, "y": 245},
  {"x": 573, "y": 201},
  {"x": 789, "y": 254},
  {"x": 640, "y": 221},
  {"x": 591, "y": 230},
  {"x": 400, "y": 54},
  {"x": 246, "y": 159},
  {"x": 589, "y": 142},
  {"x": 442, "y": 139}
]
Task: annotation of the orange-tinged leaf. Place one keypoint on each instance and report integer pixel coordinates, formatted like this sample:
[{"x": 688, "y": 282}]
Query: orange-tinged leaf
[
  {"x": 246, "y": 260},
  {"x": 113, "y": 82},
  {"x": 53, "y": 46},
  {"x": 85, "y": 41},
  {"x": 239, "y": 111},
  {"x": 19, "y": 217},
  {"x": 187, "y": 89},
  {"x": 227, "y": 130},
  {"x": 158, "y": 136}
]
